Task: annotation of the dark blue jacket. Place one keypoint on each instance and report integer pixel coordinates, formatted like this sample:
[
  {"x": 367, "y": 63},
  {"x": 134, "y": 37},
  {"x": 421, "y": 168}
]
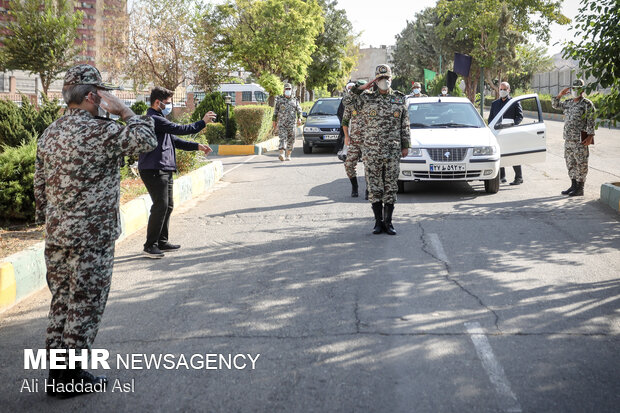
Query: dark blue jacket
[
  {"x": 163, "y": 157},
  {"x": 515, "y": 112}
]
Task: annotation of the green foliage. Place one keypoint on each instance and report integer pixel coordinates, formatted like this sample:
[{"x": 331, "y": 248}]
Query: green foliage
[
  {"x": 139, "y": 107},
  {"x": 40, "y": 38},
  {"x": 17, "y": 181},
  {"x": 213, "y": 133},
  {"x": 20, "y": 125},
  {"x": 306, "y": 106},
  {"x": 598, "y": 25},
  {"x": 215, "y": 102},
  {"x": 434, "y": 87},
  {"x": 529, "y": 60},
  {"x": 271, "y": 83},
  {"x": 254, "y": 122}
]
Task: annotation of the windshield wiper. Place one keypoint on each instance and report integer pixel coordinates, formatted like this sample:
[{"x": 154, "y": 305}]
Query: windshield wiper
[
  {"x": 418, "y": 125},
  {"x": 454, "y": 125},
  {"x": 323, "y": 113}
]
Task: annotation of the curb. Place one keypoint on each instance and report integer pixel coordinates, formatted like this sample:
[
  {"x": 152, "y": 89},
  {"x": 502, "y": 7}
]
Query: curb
[
  {"x": 257, "y": 149},
  {"x": 610, "y": 195},
  {"x": 23, "y": 273}
]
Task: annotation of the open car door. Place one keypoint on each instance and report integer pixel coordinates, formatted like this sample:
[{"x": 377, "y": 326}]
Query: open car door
[{"x": 522, "y": 143}]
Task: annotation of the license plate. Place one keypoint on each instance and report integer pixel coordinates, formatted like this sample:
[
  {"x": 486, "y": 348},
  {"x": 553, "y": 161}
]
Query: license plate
[
  {"x": 447, "y": 167},
  {"x": 330, "y": 137}
]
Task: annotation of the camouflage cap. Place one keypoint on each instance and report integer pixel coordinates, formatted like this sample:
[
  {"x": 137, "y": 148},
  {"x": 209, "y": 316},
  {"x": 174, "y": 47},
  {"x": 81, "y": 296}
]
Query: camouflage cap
[
  {"x": 417, "y": 84},
  {"x": 86, "y": 75},
  {"x": 287, "y": 86},
  {"x": 578, "y": 83},
  {"x": 383, "y": 71}
]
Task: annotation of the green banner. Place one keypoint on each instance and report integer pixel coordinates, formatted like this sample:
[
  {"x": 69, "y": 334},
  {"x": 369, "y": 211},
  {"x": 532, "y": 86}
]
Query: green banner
[{"x": 428, "y": 76}]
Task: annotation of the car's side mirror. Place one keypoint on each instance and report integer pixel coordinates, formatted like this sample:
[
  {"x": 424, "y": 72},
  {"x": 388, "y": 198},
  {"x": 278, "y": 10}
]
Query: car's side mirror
[{"x": 304, "y": 114}]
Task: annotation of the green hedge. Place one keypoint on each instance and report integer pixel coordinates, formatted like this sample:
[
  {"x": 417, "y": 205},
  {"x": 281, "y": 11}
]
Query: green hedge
[
  {"x": 139, "y": 107},
  {"x": 17, "y": 181},
  {"x": 215, "y": 102},
  {"x": 254, "y": 122},
  {"x": 19, "y": 125},
  {"x": 306, "y": 106}
]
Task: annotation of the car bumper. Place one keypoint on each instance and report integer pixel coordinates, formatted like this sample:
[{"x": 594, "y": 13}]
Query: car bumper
[
  {"x": 319, "y": 140},
  {"x": 419, "y": 169}
]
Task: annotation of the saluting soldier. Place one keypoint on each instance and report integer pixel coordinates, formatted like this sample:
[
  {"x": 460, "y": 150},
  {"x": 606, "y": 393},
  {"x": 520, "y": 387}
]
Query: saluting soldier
[
  {"x": 353, "y": 140},
  {"x": 287, "y": 110},
  {"x": 77, "y": 192},
  {"x": 384, "y": 121},
  {"x": 579, "y": 116}
]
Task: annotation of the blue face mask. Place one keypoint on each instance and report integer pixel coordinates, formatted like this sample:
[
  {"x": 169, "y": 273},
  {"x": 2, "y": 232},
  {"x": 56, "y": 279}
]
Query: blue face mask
[{"x": 167, "y": 110}]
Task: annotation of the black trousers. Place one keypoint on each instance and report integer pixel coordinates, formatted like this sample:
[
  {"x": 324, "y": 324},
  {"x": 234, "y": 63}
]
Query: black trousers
[
  {"x": 159, "y": 184},
  {"x": 517, "y": 169}
]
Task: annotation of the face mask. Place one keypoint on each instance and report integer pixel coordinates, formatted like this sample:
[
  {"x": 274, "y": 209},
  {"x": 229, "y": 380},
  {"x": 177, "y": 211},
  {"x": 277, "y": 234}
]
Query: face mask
[
  {"x": 503, "y": 93},
  {"x": 416, "y": 91},
  {"x": 444, "y": 92},
  {"x": 575, "y": 93},
  {"x": 288, "y": 93},
  {"x": 384, "y": 84},
  {"x": 167, "y": 109}
]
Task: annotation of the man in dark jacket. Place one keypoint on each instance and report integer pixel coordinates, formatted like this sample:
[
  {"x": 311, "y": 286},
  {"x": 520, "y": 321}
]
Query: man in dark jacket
[
  {"x": 514, "y": 112},
  {"x": 156, "y": 168}
]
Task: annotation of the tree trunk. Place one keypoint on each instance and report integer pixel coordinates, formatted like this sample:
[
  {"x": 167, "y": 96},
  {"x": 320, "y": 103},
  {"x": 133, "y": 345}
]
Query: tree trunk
[
  {"x": 45, "y": 83},
  {"x": 311, "y": 97},
  {"x": 271, "y": 101}
]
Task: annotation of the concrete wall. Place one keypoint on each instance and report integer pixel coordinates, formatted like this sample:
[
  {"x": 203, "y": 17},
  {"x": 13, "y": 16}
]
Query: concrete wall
[{"x": 369, "y": 59}]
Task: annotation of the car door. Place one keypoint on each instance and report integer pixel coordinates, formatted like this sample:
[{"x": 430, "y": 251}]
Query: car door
[{"x": 524, "y": 143}]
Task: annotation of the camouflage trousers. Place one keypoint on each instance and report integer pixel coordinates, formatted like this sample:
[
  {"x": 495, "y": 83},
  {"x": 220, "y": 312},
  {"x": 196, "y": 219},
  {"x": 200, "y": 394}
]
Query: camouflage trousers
[
  {"x": 382, "y": 178},
  {"x": 354, "y": 155},
  {"x": 576, "y": 157},
  {"x": 287, "y": 137},
  {"x": 79, "y": 279}
]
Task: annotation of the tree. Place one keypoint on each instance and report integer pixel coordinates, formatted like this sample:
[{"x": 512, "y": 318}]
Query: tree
[
  {"x": 598, "y": 24},
  {"x": 529, "y": 60},
  {"x": 41, "y": 38},
  {"x": 268, "y": 37},
  {"x": 336, "y": 53}
]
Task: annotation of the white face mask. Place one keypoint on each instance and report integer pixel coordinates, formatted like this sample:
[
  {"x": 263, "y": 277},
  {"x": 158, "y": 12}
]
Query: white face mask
[
  {"x": 444, "y": 92},
  {"x": 167, "y": 109},
  {"x": 384, "y": 84},
  {"x": 288, "y": 93},
  {"x": 416, "y": 91},
  {"x": 575, "y": 93},
  {"x": 503, "y": 93}
]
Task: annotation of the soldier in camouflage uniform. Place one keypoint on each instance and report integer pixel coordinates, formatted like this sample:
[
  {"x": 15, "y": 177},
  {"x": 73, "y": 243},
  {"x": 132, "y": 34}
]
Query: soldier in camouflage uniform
[
  {"x": 416, "y": 92},
  {"x": 286, "y": 114},
  {"x": 579, "y": 115},
  {"x": 353, "y": 140},
  {"x": 384, "y": 122},
  {"x": 77, "y": 193}
]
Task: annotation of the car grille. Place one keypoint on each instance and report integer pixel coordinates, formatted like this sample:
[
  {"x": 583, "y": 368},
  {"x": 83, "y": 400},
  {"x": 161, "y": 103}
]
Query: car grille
[
  {"x": 330, "y": 129},
  {"x": 454, "y": 154},
  {"x": 447, "y": 175}
]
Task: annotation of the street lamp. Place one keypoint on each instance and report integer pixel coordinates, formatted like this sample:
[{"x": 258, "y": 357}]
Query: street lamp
[{"x": 228, "y": 101}]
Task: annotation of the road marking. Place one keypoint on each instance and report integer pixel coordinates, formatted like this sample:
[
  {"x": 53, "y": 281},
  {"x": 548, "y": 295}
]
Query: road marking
[
  {"x": 232, "y": 169},
  {"x": 439, "y": 251},
  {"x": 507, "y": 399}
]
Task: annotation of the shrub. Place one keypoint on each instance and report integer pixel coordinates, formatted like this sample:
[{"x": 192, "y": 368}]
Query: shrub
[
  {"x": 213, "y": 133},
  {"x": 254, "y": 122},
  {"x": 215, "y": 102},
  {"x": 306, "y": 106},
  {"x": 12, "y": 130},
  {"x": 139, "y": 107},
  {"x": 48, "y": 112},
  {"x": 17, "y": 181}
]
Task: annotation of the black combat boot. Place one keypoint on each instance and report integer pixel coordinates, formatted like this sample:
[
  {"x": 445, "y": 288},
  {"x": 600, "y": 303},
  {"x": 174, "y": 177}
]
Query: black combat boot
[
  {"x": 572, "y": 187},
  {"x": 377, "y": 208},
  {"x": 578, "y": 190},
  {"x": 354, "y": 187},
  {"x": 387, "y": 219}
]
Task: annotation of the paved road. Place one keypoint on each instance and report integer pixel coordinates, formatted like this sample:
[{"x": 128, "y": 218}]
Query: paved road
[{"x": 482, "y": 303}]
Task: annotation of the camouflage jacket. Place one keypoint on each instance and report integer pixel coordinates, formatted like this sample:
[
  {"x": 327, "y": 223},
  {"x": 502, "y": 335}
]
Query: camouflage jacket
[
  {"x": 286, "y": 111},
  {"x": 578, "y": 116},
  {"x": 383, "y": 121},
  {"x": 77, "y": 175},
  {"x": 351, "y": 119}
]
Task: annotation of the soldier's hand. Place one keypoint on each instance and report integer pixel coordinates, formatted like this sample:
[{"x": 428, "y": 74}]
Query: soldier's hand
[
  {"x": 565, "y": 91},
  {"x": 404, "y": 152},
  {"x": 209, "y": 117},
  {"x": 368, "y": 85},
  {"x": 346, "y": 140},
  {"x": 114, "y": 105}
]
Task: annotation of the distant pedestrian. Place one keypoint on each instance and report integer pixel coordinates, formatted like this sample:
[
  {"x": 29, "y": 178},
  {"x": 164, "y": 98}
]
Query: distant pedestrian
[
  {"x": 286, "y": 114},
  {"x": 416, "y": 92},
  {"x": 515, "y": 112},
  {"x": 158, "y": 166},
  {"x": 444, "y": 92},
  {"x": 384, "y": 122},
  {"x": 579, "y": 117},
  {"x": 77, "y": 192}
]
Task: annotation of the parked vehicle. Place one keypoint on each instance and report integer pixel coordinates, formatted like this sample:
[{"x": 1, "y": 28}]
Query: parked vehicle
[
  {"x": 322, "y": 126},
  {"x": 451, "y": 142}
]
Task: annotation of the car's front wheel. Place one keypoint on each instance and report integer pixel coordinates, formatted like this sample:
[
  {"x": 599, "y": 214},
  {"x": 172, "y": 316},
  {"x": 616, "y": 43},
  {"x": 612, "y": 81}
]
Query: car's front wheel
[
  {"x": 307, "y": 148},
  {"x": 491, "y": 186}
]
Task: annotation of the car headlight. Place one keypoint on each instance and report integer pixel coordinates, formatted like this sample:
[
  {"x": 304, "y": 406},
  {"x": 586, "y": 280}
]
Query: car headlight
[
  {"x": 311, "y": 129},
  {"x": 415, "y": 152},
  {"x": 484, "y": 150}
]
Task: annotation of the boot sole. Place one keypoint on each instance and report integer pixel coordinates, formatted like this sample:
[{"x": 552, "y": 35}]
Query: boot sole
[{"x": 152, "y": 256}]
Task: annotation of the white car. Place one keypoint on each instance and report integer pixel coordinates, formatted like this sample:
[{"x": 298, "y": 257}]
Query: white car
[{"x": 451, "y": 142}]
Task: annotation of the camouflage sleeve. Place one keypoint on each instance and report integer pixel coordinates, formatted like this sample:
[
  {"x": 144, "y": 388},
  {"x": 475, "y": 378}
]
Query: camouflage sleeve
[
  {"x": 39, "y": 189},
  {"x": 590, "y": 118},
  {"x": 405, "y": 129},
  {"x": 346, "y": 116},
  {"x": 354, "y": 98},
  {"x": 276, "y": 109},
  {"x": 556, "y": 103},
  {"x": 137, "y": 137}
]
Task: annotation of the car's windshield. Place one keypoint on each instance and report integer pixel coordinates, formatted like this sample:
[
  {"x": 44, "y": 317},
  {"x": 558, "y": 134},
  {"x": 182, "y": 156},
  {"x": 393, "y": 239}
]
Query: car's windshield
[
  {"x": 325, "y": 107},
  {"x": 444, "y": 115}
]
